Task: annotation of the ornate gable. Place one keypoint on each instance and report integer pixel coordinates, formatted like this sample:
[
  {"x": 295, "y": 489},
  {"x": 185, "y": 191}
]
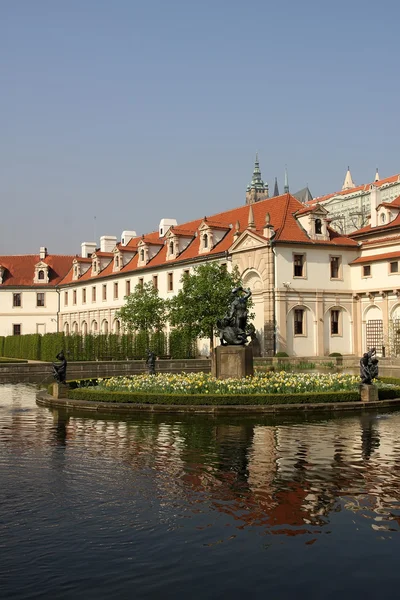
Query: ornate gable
[
  {"x": 248, "y": 240},
  {"x": 41, "y": 274}
]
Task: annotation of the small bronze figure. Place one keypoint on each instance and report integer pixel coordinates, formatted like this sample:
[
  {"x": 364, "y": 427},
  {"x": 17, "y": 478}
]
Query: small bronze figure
[
  {"x": 60, "y": 369},
  {"x": 151, "y": 362},
  {"x": 369, "y": 367}
]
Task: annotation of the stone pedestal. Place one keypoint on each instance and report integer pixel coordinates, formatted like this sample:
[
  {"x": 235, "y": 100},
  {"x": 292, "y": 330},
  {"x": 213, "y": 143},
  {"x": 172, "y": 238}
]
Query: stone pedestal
[
  {"x": 59, "y": 390},
  {"x": 368, "y": 393},
  {"x": 232, "y": 362}
]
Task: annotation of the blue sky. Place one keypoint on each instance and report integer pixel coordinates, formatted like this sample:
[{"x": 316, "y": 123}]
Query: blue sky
[{"x": 132, "y": 111}]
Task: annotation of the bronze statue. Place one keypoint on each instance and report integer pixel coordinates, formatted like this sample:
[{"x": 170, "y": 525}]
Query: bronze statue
[
  {"x": 369, "y": 367},
  {"x": 151, "y": 362},
  {"x": 232, "y": 328},
  {"x": 60, "y": 369}
]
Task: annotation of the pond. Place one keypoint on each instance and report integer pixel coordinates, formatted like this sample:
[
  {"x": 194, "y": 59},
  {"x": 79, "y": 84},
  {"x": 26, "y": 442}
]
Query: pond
[{"x": 151, "y": 506}]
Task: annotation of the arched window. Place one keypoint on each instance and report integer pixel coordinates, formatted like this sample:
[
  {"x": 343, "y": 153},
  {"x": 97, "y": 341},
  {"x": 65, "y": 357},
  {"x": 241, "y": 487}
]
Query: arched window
[
  {"x": 318, "y": 226},
  {"x": 94, "y": 326},
  {"x": 171, "y": 247},
  {"x": 104, "y": 326},
  {"x": 383, "y": 218},
  {"x": 41, "y": 275},
  {"x": 84, "y": 328},
  {"x": 142, "y": 255},
  {"x": 74, "y": 327},
  {"x": 66, "y": 329},
  {"x": 117, "y": 327},
  {"x": 117, "y": 261},
  {"x": 205, "y": 241}
]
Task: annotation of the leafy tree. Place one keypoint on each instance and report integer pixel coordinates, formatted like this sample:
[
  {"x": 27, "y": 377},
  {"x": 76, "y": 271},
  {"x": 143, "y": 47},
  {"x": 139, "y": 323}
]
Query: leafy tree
[
  {"x": 205, "y": 296},
  {"x": 144, "y": 310}
]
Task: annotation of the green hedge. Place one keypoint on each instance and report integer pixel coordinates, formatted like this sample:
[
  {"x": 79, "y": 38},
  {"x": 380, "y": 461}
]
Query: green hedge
[
  {"x": 208, "y": 399},
  {"x": 182, "y": 344},
  {"x": 81, "y": 348}
]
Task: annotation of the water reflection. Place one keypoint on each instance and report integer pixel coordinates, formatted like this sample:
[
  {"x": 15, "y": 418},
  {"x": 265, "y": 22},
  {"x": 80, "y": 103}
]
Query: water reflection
[{"x": 222, "y": 478}]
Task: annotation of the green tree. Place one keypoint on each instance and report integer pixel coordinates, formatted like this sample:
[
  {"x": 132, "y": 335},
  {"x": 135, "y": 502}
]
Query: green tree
[
  {"x": 144, "y": 310},
  {"x": 204, "y": 298}
]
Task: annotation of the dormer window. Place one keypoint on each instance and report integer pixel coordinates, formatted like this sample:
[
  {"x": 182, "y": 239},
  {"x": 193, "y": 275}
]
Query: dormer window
[
  {"x": 142, "y": 255},
  {"x": 41, "y": 273},
  {"x": 318, "y": 226},
  {"x": 117, "y": 261},
  {"x": 171, "y": 247},
  {"x": 205, "y": 241},
  {"x": 95, "y": 267},
  {"x": 383, "y": 218}
]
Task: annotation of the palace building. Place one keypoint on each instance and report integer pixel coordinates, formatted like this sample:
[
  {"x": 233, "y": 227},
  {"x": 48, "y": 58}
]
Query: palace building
[{"x": 315, "y": 290}]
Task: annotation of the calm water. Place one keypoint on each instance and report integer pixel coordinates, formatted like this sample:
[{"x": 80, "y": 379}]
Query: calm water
[{"x": 194, "y": 507}]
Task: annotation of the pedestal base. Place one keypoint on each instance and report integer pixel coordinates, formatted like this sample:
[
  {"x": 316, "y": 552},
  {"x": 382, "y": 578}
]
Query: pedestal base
[
  {"x": 232, "y": 362},
  {"x": 368, "y": 393},
  {"x": 59, "y": 390}
]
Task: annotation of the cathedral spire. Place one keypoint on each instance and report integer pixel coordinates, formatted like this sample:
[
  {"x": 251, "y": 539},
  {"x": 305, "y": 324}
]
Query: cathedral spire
[
  {"x": 257, "y": 189},
  {"x": 348, "y": 183},
  {"x": 286, "y": 189},
  {"x": 377, "y": 178},
  {"x": 276, "y": 189}
]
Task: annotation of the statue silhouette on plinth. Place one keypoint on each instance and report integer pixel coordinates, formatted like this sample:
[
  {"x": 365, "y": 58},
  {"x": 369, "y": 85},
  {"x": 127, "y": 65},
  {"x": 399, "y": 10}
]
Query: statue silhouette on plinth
[
  {"x": 369, "y": 367},
  {"x": 60, "y": 369},
  {"x": 233, "y": 327}
]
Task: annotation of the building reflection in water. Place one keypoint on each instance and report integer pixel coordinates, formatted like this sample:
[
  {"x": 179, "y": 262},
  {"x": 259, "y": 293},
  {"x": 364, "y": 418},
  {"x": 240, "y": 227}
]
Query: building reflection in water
[{"x": 285, "y": 478}]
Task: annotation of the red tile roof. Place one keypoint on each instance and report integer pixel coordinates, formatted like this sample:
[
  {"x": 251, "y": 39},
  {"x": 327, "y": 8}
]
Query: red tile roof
[
  {"x": 368, "y": 229},
  {"x": 20, "y": 270},
  {"x": 282, "y": 211},
  {"x": 376, "y": 258},
  {"x": 360, "y": 188}
]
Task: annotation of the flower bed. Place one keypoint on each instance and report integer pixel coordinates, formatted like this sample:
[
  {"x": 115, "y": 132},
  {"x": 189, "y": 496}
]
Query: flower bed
[{"x": 203, "y": 383}]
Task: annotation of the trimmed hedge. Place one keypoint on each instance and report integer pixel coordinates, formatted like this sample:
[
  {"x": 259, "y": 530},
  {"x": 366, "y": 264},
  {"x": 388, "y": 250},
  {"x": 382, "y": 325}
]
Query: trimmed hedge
[{"x": 91, "y": 394}]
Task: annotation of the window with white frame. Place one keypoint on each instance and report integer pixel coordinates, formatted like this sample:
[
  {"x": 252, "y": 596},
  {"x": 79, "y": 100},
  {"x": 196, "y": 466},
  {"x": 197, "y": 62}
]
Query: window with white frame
[{"x": 298, "y": 265}]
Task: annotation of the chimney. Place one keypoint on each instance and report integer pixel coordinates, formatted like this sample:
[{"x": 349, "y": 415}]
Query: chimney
[
  {"x": 107, "y": 243},
  {"x": 87, "y": 249},
  {"x": 126, "y": 237},
  {"x": 166, "y": 224},
  {"x": 42, "y": 252}
]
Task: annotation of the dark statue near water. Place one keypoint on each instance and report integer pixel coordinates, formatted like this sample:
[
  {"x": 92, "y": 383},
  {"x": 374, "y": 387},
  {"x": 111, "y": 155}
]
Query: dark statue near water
[
  {"x": 151, "y": 362},
  {"x": 369, "y": 367},
  {"x": 60, "y": 369},
  {"x": 233, "y": 327}
]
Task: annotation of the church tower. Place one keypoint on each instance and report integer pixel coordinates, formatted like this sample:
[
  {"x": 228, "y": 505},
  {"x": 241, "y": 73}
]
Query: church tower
[{"x": 257, "y": 189}]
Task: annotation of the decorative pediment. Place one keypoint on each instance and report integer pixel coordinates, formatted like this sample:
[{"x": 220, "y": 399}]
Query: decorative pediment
[
  {"x": 79, "y": 267},
  {"x": 41, "y": 274},
  {"x": 210, "y": 233},
  {"x": 314, "y": 221},
  {"x": 177, "y": 240},
  {"x": 248, "y": 240}
]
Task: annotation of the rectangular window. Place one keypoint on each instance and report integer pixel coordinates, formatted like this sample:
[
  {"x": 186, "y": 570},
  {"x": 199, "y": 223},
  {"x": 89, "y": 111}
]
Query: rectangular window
[
  {"x": 298, "y": 265},
  {"x": 17, "y": 329},
  {"x": 16, "y": 299},
  {"x": 115, "y": 291},
  {"x": 93, "y": 294},
  {"x": 155, "y": 282},
  {"x": 334, "y": 322},
  {"x": 367, "y": 271},
  {"x": 170, "y": 282},
  {"x": 65, "y": 298},
  {"x": 74, "y": 297},
  {"x": 128, "y": 287},
  {"x": 298, "y": 321},
  {"x": 105, "y": 291},
  {"x": 40, "y": 299},
  {"x": 394, "y": 267},
  {"x": 186, "y": 272},
  {"x": 84, "y": 296},
  {"x": 335, "y": 267},
  {"x": 140, "y": 281}
]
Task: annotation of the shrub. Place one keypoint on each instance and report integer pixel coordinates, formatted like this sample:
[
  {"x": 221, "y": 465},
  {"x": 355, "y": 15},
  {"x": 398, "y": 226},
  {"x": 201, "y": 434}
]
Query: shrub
[
  {"x": 335, "y": 354},
  {"x": 92, "y": 394},
  {"x": 182, "y": 344},
  {"x": 282, "y": 354}
]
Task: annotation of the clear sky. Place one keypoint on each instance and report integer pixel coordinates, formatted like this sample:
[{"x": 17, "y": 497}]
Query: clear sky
[{"x": 117, "y": 113}]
